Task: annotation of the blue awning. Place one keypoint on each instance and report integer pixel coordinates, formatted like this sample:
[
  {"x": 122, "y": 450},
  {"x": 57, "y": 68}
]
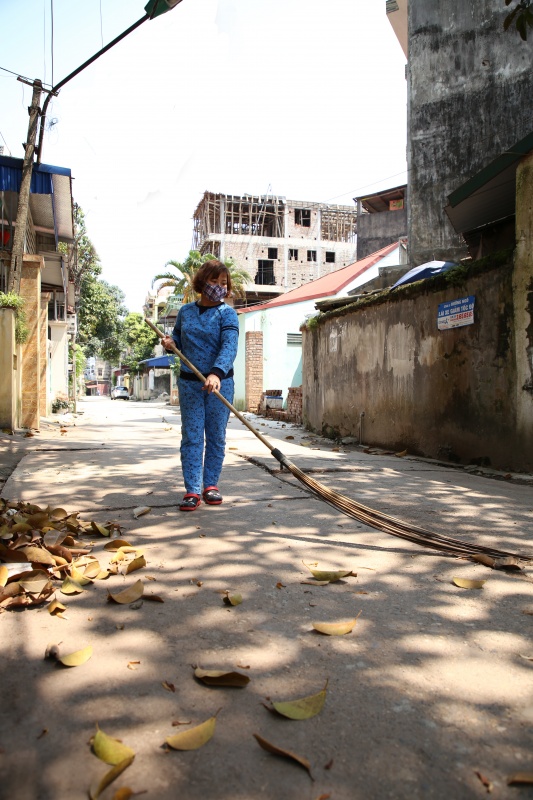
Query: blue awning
[
  {"x": 41, "y": 176},
  {"x": 159, "y": 362}
]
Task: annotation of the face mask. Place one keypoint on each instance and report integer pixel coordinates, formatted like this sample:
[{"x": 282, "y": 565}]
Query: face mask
[{"x": 215, "y": 292}]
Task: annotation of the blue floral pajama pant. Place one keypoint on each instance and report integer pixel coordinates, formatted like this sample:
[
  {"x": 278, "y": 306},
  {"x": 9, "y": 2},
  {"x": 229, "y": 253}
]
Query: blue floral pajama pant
[{"x": 202, "y": 414}]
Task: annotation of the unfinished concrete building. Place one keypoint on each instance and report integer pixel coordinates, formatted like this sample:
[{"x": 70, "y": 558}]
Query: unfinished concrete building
[{"x": 281, "y": 243}]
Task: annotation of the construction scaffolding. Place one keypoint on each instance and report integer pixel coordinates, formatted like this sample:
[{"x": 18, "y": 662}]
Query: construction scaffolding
[
  {"x": 247, "y": 215},
  {"x": 338, "y": 223}
]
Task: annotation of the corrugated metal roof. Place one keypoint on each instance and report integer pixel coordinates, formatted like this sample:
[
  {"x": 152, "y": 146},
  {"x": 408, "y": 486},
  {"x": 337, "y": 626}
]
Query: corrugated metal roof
[
  {"x": 50, "y": 194},
  {"x": 328, "y": 285}
]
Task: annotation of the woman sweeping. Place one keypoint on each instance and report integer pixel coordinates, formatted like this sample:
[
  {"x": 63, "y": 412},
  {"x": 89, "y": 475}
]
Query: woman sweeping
[{"x": 207, "y": 333}]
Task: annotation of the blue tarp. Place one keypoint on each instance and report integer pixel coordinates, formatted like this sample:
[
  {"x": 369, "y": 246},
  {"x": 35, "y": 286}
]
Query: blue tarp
[
  {"x": 428, "y": 270},
  {"x": 160, "y": 362}
]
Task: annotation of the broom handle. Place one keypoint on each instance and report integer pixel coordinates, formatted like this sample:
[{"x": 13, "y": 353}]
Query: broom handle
[{"x": 199, "y": 375}]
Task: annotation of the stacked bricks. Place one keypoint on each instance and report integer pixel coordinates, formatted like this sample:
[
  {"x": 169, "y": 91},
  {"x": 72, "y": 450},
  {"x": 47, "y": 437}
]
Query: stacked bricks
[
  {"x": 254, "y": 369},
  {"x": 294, "y": 404}
]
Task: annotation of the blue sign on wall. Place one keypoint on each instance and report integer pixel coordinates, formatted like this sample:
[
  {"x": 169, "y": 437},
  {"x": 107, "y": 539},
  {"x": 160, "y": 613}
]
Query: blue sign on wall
[{"x": 456, "y": 313}]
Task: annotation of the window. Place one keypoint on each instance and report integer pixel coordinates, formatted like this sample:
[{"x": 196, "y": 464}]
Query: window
[
  {"x": 302, "y": 216},
  {"x": 330, "y": 256},
  {"x": 311, "y": 255},
  {"x": 293, "y": 254},
  {"x": 294, "y": 338},
  {"x": 100, "y": 372},
  {"x": 273, "y": 252},
  {"x": 265, "y": 273}
]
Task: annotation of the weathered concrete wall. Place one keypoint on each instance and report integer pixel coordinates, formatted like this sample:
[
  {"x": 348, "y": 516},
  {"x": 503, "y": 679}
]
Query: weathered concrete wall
[
  {"x": 443, "y": 394},
  {"x": 375, "y": 231},
  {"x": 470, "y": 86}
]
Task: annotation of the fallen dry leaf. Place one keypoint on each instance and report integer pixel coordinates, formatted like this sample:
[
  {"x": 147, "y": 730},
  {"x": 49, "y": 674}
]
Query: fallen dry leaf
[
  {"x": 116, "y": 544},
  {"x": 110, "y": 750},
  {"x": 489, "y": 786},
  {"x": 129, "y": 595},
  {"x": 232, "y": 599},
  {"x": 137, "y": 563},
  {"x": 303, "y": 708},
  {"x": 214, "y": 677},
  {"x": 140, "y": 511},
  {"x": 194, "y": 738},
  {"x": 280, "y": 585},
  {"x": 330, "y": 576},
  {"x": 168, "y": 686},
  {"x": 56, "y": 608},
  {"x": 278, "y": 751},
  {"x": 77, "y": 658},
  {"x": 466, "y": 583},
  {"x": 520, "y": 778},
  {"x": 336, "y": 628},
  {"x": 98, "y": 787}
]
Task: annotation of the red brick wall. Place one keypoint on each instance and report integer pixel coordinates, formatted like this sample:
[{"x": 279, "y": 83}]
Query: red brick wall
[{"x": 254, "y": 369}]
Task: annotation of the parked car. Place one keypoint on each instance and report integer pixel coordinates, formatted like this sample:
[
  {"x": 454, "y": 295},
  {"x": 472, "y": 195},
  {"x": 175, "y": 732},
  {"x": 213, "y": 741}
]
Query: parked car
[{"x": 120, "y": 393}]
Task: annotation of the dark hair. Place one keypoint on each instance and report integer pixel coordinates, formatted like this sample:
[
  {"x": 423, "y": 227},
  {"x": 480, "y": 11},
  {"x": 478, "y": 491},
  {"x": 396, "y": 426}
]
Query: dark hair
[{"x": 211, "y": 269}]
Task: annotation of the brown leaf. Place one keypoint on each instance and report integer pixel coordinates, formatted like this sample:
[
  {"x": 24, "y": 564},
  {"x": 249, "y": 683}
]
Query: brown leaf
[
  {"x": 485, "y": 781},
  {"x": 168, "y": 686},
  {"x": 278, "y": 751},
  {"x": 520, "y": 778},
  {"x": 116, "y": 544},
  {"x": 215, "y": 677},
  {"x": 280, "y": 585},
  {"x": 137, "y": 563}
]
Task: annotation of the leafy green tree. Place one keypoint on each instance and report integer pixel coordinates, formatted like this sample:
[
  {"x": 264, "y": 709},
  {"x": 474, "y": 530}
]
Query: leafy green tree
[
  {"x": 100, "y": 317},
  {"x": 182, "y": 276},
  {"x": 139, "y": 339},
  {"x": 521, "y": 15}
]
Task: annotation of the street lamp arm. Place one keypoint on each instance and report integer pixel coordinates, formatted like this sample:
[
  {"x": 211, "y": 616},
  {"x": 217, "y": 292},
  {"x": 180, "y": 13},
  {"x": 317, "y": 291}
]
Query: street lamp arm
[{"x": 55, "y": 89}]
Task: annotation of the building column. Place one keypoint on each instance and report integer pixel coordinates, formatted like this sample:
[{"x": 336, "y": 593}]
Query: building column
[
  {"x": 44, "y": 383},
  {"x": 523, "y": 299},
  {"x": 30, "y": 291},
  {"x": 253, "y": 369},
  {"x": 8, "y": 370}
]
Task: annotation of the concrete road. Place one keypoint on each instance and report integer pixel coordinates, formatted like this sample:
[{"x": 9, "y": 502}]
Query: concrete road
[{"x": 429, "y": 696}]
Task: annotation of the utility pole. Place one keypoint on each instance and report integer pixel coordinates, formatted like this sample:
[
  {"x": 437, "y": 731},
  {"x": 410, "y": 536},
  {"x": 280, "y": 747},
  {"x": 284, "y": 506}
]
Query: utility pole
[{"x": 17, "y": 253}]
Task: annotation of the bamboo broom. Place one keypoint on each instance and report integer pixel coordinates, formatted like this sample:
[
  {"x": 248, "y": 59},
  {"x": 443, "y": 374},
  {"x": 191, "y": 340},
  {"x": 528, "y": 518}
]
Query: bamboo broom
[{"x": 368, "y": 516}]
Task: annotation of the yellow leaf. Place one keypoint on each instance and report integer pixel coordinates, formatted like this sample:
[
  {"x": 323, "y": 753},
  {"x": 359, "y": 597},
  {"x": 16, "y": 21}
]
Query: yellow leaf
[
  {"x": 193, "y": 738},
  {"x": 140, "y": 511},
  {"x": 465, "y": 583},
  {"x": 58, "y": 514},
  {"x": 77, "y": 658},
  {"x": 232, "y": 599},
  {"x": 304, "y": 708},
  {"x": 110, "y": 750},
  {"x": 278, "y": 751},
  {"x": 116, "y": 544},
  {"x": 137, "y": 563},
  {"x": 79, "y": 577},
  {"x": 70, "y": 587},
  {"x": 129, "y": 595},
  {"x": 56, "y": 606},
  {"x": 98, "y": 787},
  {"x": 215, "y": 677},
  {"x": 336, "y": 628},
  {"x": 92, "y": 570},
  {"x": 97, "y": 528},
  {"x": 38, "y": 520},
  {"x": 4, "y": 574},
  {"x": 123, "y": 794},
  {"x": 329, "y": 575}
]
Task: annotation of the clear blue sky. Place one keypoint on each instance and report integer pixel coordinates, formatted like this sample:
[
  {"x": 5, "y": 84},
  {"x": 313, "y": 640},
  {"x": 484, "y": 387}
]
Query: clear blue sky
[{"x": 302, "y": 98}]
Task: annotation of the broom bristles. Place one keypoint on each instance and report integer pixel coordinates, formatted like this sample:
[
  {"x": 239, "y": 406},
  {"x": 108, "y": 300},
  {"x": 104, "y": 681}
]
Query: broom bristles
[{"x": 395, "y": 527}]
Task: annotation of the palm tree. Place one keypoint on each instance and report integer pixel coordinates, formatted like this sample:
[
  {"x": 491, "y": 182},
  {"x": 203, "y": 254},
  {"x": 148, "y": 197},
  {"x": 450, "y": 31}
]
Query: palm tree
[{"x": 181, "y": 279}]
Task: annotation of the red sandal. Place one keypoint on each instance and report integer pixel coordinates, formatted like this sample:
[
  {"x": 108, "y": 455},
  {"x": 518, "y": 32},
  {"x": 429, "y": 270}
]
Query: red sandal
[
  {"x": 212, "y": 496},
  {"x": 190, "y": 502}
]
